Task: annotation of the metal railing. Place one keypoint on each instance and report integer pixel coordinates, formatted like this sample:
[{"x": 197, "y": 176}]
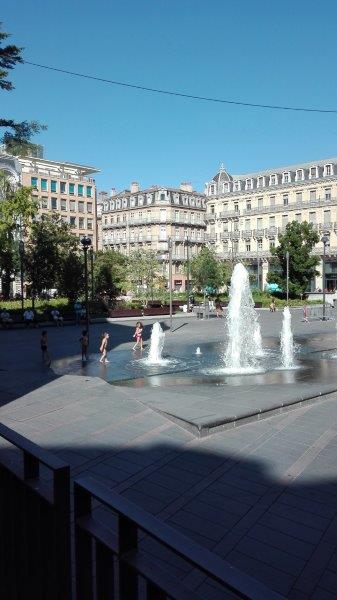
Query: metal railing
[
  {"x": 112, "y": 564},
  {"x": 34, "y": 523}
]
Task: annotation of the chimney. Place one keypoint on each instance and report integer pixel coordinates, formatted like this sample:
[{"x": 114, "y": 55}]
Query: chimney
[
  {"x": 113, "y": 192},
  {"x": 134, "y": 188},
  {"x": 185, "y": 186}
]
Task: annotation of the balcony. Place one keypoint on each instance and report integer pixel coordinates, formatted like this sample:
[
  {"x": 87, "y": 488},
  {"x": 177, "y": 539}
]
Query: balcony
[
  {"x": 229, "y": 214},
  {"x": 258, "y": 233},
  {"x": 211, "y": 238},
  {"x": 210, "y": 217},
  {"x": 246, "y": 234},
  {"x": 234, "y": 235},
  {"x": 224, "y": 235},
  {"x": 270, "y": 232}
]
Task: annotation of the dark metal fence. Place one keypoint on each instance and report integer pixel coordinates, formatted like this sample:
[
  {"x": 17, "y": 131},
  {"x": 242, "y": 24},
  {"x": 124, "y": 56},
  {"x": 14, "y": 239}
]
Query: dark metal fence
[
  {"x": 34, "y": 522},
  {"x": 110, "y": 563}
]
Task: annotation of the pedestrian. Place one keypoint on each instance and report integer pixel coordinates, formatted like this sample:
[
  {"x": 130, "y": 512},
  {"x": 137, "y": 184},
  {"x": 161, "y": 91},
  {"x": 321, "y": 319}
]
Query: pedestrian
[
  {"x": 272, "y": 306},
  {"x": 104, "y": 347},
  {"x": 44, "y": 347},
  {"x": 84, "y": 341},
  {"x": 29, "y": 317},
  {"x": 218, "y": 308},
  {"x": 58, "y": 320},
  {"x": 138, "y": 335},
  {"x": 305, "y": 313},
  {"x": 78, "y": 312}
]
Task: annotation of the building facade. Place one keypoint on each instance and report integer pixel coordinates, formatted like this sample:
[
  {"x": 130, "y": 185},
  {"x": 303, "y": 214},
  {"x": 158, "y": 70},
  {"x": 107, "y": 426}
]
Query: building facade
[
  {"x": 65, "y": 189},
  {"x": 246, "y": 213},
  {"x": 147, "y": 219}
]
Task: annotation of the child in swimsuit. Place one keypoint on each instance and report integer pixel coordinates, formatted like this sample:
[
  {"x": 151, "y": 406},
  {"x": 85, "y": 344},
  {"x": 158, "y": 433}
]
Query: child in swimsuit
[
  {"x": 138, "y": 335},
  {"x": 44, "y": 347},
  {"x": 84, "y": 341},
  {"x": 104, "y": 348}
]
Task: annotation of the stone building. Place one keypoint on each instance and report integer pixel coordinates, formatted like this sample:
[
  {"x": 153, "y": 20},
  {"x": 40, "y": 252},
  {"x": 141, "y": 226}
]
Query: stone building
[
  {"x": 246, "y": 213},
  {"x": 148, "y": 218}
]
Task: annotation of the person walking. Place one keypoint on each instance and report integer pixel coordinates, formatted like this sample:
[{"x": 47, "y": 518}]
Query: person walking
[
  {"x": 84, "y": 341},
  {"x": 78, "y": 312},
  {"x": 44, "y": 348},
  {"x": 218, "y": 308},
  {"x": 104, "y": 348},
  {"x": 305, "y": 313},
  {"x": 272, "y": 306},
  {"x": 138, "y": 336}
]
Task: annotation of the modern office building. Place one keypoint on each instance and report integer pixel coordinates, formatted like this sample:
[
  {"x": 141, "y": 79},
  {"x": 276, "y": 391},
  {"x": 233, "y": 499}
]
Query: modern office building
[
  {"x": 149, "y": 218},
  {"x": 246, "y": 213}
]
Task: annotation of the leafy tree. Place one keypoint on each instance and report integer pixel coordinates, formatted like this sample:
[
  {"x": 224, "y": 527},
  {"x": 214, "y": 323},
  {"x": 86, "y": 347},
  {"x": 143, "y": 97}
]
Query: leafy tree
[
  {"x": 207, "y": 270},
  {"x": 17, "y": 209},
  {"x": 17, "y": 134},
  {"x": 142, "y": 272},
  {"x": 70, "y": 276},
  {"x": 299, "y": 240},
  {"x": 49, "y": 245},
  {"x": 109, "y": 273}
]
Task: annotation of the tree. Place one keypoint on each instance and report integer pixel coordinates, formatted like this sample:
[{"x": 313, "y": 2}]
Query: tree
[
  {"x": 17, "y": 209},
  {"x": 207, "y": 271},
  {"x": 142, "y": 272},
  {"x": 70, "y": 276},
  {"x": 17, "y": 134},
  {"x": 49, "y": 245},
  {"x": 109, "y": 273},
  {"x": 299, "y": 240}
]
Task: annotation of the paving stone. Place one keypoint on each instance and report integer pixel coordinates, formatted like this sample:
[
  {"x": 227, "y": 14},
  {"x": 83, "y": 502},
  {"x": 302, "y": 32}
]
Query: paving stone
[
  {"x": 200, "y": 525},
  {"x": 282, "y": 541},
  {"x": 155, "y": 491},
  {"x": 152, "y": 505},
  {"x": 328, "y": 581},
  {"x": 271, "y": 556},
  {"x": 214, "y": 500},
  {"x": 310, "y": 506},
  {"x": 299, "y": 516},
  {"x": 215, "y": 515},
  {"x": 273, "y": 578},
  {"x": 284, "y": 525},
  {"x": 321, "y": 594}
]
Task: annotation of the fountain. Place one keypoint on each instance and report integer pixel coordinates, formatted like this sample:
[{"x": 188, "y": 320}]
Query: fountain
[
  {"x": 156, "y": 346},
  {"x": 198, "y": 351},
  {"x": 287, "y": 343},
  {"x": 244, "y": 334}
]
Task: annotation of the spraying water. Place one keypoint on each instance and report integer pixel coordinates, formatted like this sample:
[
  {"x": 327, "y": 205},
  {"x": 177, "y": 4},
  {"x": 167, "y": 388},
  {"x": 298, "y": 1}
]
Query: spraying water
[
  {"x": 244, "y": 334},
  {"x": 198, "y": 351},
  {"x": 156, "y": 345},
  {"x": 287, "y": 342}
]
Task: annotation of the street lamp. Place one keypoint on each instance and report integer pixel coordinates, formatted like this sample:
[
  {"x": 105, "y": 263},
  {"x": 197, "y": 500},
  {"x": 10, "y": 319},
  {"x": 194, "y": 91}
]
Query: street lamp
[
  {"x": 325, "y": 241},
  {"x": 86, "y": 243},
  {"x": 92, "y": 273},
  {"x": 287, "y": 259},
  {"x": 22, "y": 254},
  {"x": 170, "y": 277},
  {"x": 187, "y": 242}
]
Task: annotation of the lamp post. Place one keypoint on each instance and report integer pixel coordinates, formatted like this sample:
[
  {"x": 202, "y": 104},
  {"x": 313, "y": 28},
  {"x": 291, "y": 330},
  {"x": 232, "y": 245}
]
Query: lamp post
[
  {"x": 170, "y": 278},
  {"x": 258, "y": 265},
  {"x": 325, "y": 242},
  {"x": 86, "y": 243},
  {"x": 187, "y": 242},
  {"x": 22, "y": 254},
  {"x": 287, "y": 259},
  {"x": 92, "y": 273}
]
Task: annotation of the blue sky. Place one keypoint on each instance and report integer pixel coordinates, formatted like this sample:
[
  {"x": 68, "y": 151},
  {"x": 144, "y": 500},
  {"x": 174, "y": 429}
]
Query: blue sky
[{"x": 257, "y": 51}]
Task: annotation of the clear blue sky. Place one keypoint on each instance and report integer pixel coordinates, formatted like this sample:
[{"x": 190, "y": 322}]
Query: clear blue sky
[{"x": 259, "y": 51}]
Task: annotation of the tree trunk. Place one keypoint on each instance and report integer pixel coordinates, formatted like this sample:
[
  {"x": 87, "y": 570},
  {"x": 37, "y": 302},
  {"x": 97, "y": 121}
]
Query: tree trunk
[{"x": 6, "y": 285}]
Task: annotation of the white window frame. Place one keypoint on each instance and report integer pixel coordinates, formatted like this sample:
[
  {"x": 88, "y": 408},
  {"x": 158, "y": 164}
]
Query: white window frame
[
  {"x": 249, "y": 184},
  {"x": 237, "y": 185},
  {"x": 273, "y": 179},
  {"x": 284, "y": 175},
  {"x": 325, "y": 173},
  {"x": 261, "y": 181},
  {"x": 299, "y": 175},
  {"x": 316, "y": 172}
]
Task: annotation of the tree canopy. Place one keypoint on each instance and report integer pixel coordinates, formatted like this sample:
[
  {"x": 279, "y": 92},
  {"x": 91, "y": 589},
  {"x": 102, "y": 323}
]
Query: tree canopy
[
  {"x": 142, "y": 272},
  {"x": 207, "y": 271},
  {"x": 299, "y": 240},
  {"x": 109, "y": 273}
]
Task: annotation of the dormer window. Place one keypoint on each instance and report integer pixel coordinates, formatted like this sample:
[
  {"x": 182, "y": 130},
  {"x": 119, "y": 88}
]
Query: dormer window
[
  {"x": 299, "y": 175},
  {"x": 313, "y": 172},
  {"x": 261, "y": 182},
  {"x": 327, "y": 170},
  {"x": 286, "y": 177},
  {"x": 273, "y": 179},
  {"x": 112, "y": 205},
  {"x": 140, "y": 200},
  {"x": 249, "y": 184},
  {"x": 125, "y": 203},
  {"x": 225, "y": 187},
  {"x": 237, "y": 186},
  {"x": 132, "y": 201},
  {"x": 212, "y": 189},
  {"x": 118, "y": 203}
]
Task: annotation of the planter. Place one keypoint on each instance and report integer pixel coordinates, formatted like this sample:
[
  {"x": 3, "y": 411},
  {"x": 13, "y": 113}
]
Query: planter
[
  {"x": 125, "y": 312},
  {"x": 162, "y": 310},
  {"x": 258, "y": 304}
]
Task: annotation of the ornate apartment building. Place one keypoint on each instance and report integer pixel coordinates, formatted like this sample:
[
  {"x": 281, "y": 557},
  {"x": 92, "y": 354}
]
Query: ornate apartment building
[
  {"x": 149, "y": 218},
  {"x": 246, "y": 213}
]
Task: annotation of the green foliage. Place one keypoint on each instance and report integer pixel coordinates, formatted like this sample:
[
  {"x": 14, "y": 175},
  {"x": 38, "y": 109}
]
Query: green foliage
[
  {"x": 299, "y": 240},
  {"x": 70, "y": 275},
  {"x": 109, "y": 273},
  {"x": 142, "y": 273},
  {"x": 17, "y": 134},
  {"x": 207, "y": 270}
]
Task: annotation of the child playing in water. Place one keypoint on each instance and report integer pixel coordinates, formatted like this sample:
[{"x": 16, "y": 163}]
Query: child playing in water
[
  {"x": 104, "y": 348},
  {"x": 84, "y": 341},
  {"x": 44, "y": 347},
  {"x": 138, "y": 335}
]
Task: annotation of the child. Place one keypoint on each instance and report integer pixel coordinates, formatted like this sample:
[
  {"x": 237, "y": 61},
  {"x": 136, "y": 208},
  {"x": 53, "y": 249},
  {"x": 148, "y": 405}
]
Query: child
[
  {"x": 104, "y": 348},
  {"x": 44, "y": 347},
  {"x": 138, "y": 335},
  {"x": 84, "y": 341}
]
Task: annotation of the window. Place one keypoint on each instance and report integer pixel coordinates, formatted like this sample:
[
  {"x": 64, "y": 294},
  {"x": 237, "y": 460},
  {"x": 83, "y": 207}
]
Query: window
[
  {"x": 298, "y": 197},
  {"x": 273, "y": 179},
  {"x": 271, "y": 221},
  {"x": 63, "y": 204},
  {"x": 248, "y": 247},
  {"x": 260, "y": 182},
  {"x": 73, "y": 221},
  {"x": 44, "y": 202},
  {"x": 71, "y": 189},
  {"x": 312, "y": 217},
  {"x": 285, "y": 199},
  {"x": 260, "y": 224},
  {"x": 259, "y": 244},
  {"x": 72, "y": 205},
  {"x": 236, "y": 225},
  {"x": 236, "y": 186},
  {"x": 327, "y": 193},
  {"x": 313, "y": 172},
  {"x": 327, "y": 216},
  {"x": 177, "y": 215},
  {"x": 162, "y": 197},
  {"x": 89, "y": 207},
  {"x": 260, "y": 202},
  {"x": 81, "y": 223},
  {"x": 211, "y": 209},
  {"x": 327, "y": 170},
  {"x": 271, "y": 244},
  {"x": 312, "y": 195},
  {"x": 53, "y": 186},
  {"x": 247, "y": 225},
  {"x": 33, "y": 182},
  {"x": 63, "y": 187},
  {"x": 89, "y": 224},
  {"x": 81, "y": 207},
  {"x": 235, "y": 246},
  {"x": 284, "y": 220},
  {"x": 44, "y": 185},
  {"x": 80, "y": 189},
  {"x": 299, "y": 175},
  {"x": 140, "y": 201},
  {"x": 272, "y": 201},
  {"x": 298, "y": 217},
  {"x": 54, "y": 203},
  {"x": 236, "y": 207},
  {"x": 212, "y": 189},
  {"x": 89, "y": 191},
  {"x": 249, "y": 184},
  {"x": 286, "y": 177}
]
